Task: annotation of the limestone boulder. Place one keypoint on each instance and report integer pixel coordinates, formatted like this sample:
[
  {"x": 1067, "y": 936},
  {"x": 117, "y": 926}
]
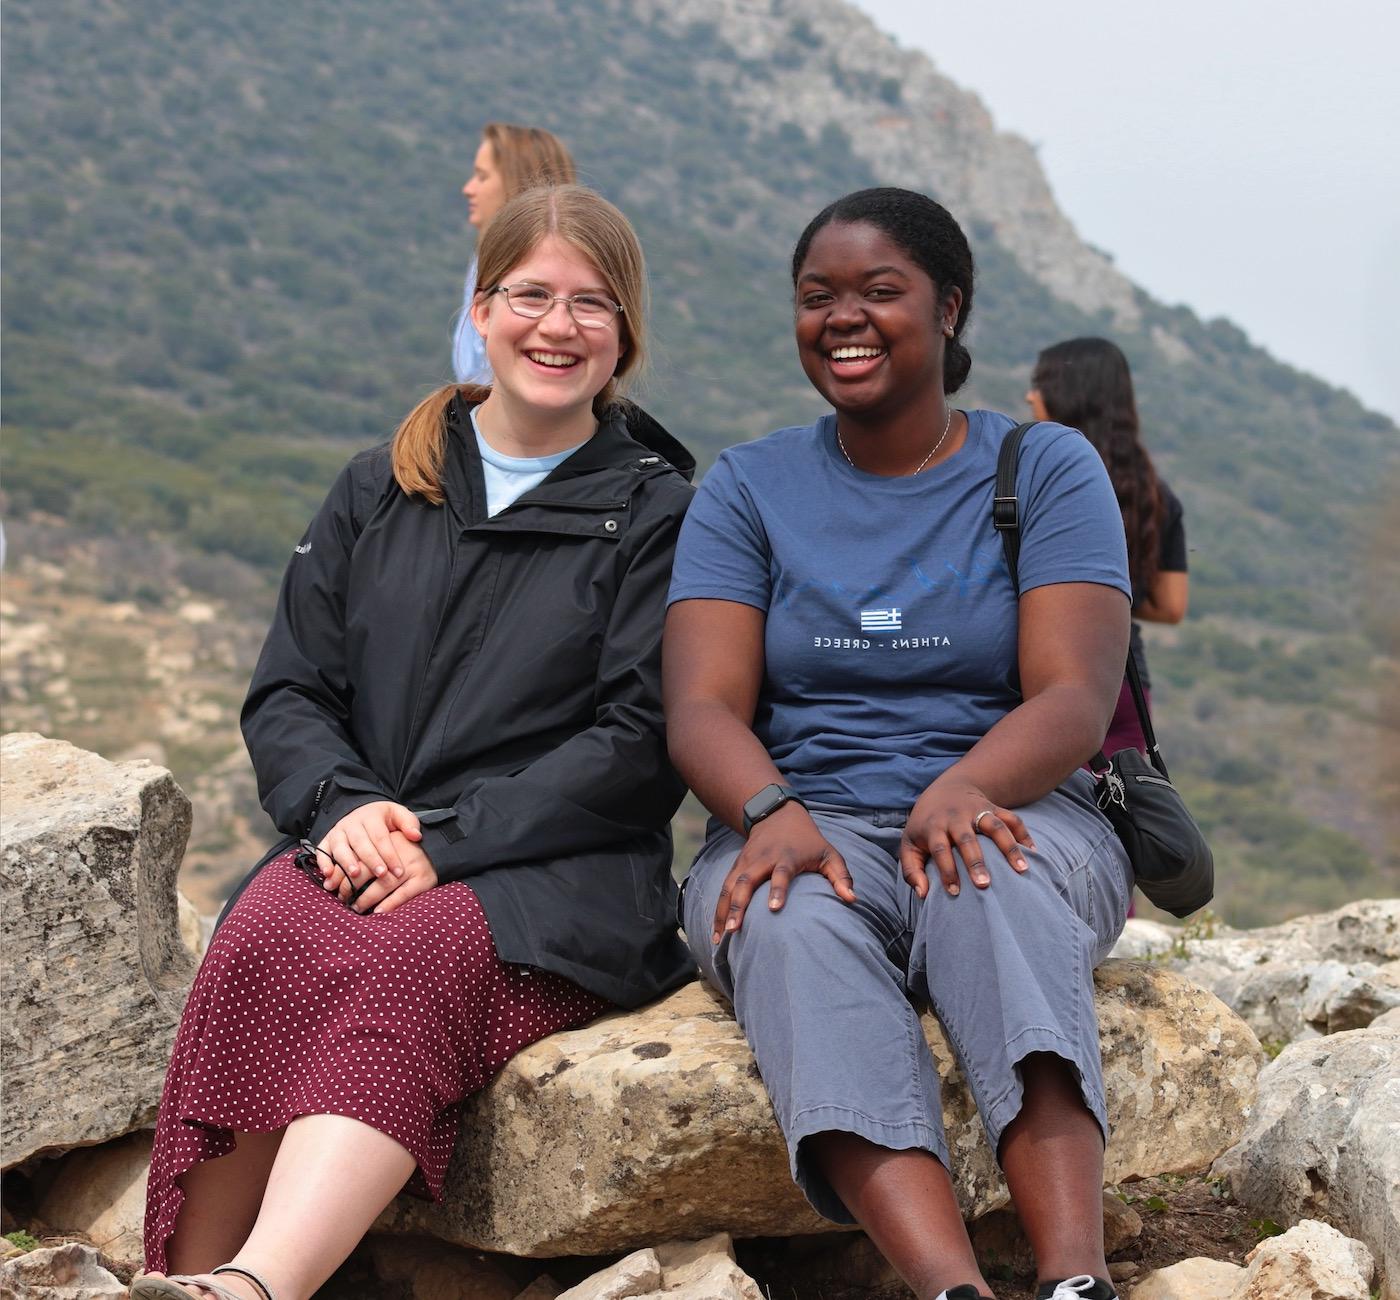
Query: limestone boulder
[
  {"x": 96, "y": 968},
  {"x": 1311, "y": 1261},
  {"x": 1191, "y": 1279},
  {"x": 99, "y": 1193},
  {"x": 1323, "y": 1141},
  {"x": 636, "y": 1275},
  {"x": 1306, "y": 978},
  {"x": 654, "y": 1124},
  {"x": 68, "y": 1272}
]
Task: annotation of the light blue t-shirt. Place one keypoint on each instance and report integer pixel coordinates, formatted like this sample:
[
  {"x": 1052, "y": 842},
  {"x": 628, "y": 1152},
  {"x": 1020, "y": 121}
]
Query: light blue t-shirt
[
  {"x": 890, "y": 640},
  {"x": 469, "y": 363},
  {"x": 508, "y": 477}
]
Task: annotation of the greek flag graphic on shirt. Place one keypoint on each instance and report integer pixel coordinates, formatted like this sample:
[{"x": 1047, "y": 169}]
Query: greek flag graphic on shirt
[{"x": 881, "y": 620}]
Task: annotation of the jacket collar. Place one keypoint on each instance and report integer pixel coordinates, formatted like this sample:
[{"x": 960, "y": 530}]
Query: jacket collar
[{"x": 629, "y": 444}]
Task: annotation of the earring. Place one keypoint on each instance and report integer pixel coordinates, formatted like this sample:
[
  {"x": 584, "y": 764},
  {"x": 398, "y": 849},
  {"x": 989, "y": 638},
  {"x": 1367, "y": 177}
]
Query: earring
[{"x": 948, "y": 330}]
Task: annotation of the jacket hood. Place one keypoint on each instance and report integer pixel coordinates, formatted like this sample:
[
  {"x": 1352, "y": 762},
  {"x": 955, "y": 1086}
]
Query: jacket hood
[{"x": 648, "y": 431}]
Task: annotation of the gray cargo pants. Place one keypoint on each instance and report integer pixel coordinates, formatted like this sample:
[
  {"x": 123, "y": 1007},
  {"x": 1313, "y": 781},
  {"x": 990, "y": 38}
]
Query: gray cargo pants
[{"x": 825, "y": 991}]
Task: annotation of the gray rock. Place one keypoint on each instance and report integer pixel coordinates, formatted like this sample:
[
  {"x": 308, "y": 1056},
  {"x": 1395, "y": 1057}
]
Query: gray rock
[
  {"x": 1306, "y": 978},
  {"x": 1324, "y": 1141},
  {"x": 68, "y": 1272},
  {"x": 654, "y": 1125},
  {"x": 91, "y": 933}
]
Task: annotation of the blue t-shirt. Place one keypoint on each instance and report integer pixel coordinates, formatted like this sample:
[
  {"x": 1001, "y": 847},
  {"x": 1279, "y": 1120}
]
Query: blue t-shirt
[
  {"x": 509, "y": 477},
  {"x": 890, "y": 639}
]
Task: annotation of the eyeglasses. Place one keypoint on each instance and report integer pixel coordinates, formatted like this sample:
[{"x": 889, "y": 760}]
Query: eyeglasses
[{"x": 593, "y": 311}]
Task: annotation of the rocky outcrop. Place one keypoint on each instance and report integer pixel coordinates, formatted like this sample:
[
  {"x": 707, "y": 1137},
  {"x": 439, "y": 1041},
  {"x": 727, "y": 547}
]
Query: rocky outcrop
[
  {"x": 655, "y": 1124},
  {"x": 1323, "y": 1141},
  {"x": 68, "y": 1272},
  {"x": 932, "y": 135},
  {"x": 1306, "y": 978},
  {"x": 97, "y": 970}
]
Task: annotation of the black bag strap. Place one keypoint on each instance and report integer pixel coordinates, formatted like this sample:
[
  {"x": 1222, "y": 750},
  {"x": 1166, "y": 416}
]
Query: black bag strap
[{"x": 1006, "y": 519}]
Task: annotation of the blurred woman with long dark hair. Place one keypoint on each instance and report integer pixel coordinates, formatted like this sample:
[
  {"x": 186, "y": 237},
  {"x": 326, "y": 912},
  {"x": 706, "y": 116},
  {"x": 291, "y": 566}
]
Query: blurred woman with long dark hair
[{"x": 1086, "y": 384}]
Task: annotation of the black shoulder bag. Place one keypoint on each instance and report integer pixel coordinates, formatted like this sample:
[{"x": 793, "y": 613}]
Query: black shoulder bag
[{"x": 1171, "y": 859}]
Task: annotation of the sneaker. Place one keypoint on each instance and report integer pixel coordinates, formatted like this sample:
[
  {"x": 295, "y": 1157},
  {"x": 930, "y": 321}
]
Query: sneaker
[
  {"x": 1082, "y": 1287},
  {"x": 965, "y": 1292}
]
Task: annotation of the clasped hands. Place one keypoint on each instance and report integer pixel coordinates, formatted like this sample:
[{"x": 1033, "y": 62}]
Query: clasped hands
[
  {"x": 944, "y": 829},
  {"x": 372, "y": 860}
]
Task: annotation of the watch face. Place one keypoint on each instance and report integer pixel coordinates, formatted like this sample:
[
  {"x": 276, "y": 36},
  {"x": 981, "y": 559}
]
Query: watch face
[{"x": 767, "y": 800}]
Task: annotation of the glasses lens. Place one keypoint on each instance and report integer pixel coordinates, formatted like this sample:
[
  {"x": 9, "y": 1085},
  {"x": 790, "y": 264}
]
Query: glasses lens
[
  {"x": 528, "y": 299},
  {"x": 593, "y": 310}
]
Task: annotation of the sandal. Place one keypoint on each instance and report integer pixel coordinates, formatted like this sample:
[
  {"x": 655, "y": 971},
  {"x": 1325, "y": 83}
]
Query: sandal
[{"x": 170, "y": 1288}]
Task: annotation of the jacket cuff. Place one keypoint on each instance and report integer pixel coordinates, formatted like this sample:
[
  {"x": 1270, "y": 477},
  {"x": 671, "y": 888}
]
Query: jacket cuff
[
  {"x": 442, "y": 841},
  {"x": 336, "y": 805}
]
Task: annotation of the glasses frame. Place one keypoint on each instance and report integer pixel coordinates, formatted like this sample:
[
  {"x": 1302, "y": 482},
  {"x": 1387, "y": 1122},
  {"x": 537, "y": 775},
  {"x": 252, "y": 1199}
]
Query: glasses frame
[{"x": 568, "y": 301}]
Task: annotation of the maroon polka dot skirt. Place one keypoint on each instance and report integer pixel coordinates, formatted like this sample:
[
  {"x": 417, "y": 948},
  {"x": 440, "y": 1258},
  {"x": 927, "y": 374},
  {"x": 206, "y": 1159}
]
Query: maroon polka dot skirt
[{"x": 303, "y": 1007}]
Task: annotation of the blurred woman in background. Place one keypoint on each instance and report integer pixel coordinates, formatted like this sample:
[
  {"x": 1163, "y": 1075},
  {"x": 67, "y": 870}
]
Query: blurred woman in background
[
  {"x": 509, "y": 159},
  {"x": 1086, "y": 384}
]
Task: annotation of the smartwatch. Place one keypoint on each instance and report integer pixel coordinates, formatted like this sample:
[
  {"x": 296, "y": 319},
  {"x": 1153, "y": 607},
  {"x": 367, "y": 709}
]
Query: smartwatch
[{"x": 766, "y": 802}]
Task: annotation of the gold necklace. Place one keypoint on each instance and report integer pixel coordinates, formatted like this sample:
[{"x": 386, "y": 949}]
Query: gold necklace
[{"x": 947, "y": 424}]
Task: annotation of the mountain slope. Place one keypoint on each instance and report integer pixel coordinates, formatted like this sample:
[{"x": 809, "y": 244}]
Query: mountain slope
[{"x": 234, "y": 246}]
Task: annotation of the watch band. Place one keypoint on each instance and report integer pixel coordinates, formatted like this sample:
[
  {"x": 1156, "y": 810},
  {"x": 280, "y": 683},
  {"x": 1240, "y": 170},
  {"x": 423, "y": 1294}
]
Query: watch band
[{"x": 766, "y": 802}]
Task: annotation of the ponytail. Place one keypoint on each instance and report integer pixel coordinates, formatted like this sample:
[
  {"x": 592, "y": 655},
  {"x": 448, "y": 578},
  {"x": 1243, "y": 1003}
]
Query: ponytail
[{"x": 420, "y": 441}]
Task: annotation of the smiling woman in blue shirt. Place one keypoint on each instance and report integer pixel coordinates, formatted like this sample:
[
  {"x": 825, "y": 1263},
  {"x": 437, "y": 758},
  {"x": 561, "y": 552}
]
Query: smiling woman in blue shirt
[{"x": 888, "y": 737}]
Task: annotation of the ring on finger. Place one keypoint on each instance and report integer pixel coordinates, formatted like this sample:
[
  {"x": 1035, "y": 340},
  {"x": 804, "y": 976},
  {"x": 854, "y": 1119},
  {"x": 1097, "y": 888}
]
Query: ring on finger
[{"x": 977, "y": 821}]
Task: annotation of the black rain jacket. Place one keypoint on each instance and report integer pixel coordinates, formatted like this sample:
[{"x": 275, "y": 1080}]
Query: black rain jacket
[{"x": 501, "y": 678}]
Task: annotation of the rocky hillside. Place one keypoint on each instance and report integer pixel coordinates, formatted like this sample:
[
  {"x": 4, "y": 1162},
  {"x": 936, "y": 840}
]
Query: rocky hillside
[{"x": 233, "y": 246}]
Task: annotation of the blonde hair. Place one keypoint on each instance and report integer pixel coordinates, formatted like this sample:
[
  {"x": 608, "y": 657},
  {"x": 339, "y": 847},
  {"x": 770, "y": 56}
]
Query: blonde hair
[
  {"x": 589, "y": 223},
  {"x": 528, "y": 156}
]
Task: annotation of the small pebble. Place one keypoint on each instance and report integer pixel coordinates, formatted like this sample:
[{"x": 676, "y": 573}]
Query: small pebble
[{"x": 1122, "y": 1270}]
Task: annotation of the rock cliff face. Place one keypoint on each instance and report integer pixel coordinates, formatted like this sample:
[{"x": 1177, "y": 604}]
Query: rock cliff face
[
  {"x": 821, "y": 59},
  {"x": 96, "y": 970}
]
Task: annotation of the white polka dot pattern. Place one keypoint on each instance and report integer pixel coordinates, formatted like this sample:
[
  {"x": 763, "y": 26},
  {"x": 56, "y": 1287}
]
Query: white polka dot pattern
[{"x": 303, "y": 1007}]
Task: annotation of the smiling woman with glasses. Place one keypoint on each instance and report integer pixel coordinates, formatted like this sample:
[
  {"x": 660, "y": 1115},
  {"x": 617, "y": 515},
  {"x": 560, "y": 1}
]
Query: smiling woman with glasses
[{"x": 456, "y": 724}]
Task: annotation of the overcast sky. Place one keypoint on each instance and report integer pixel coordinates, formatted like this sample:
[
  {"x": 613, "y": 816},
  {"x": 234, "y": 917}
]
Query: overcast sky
[{"x": 1238, "y": 156}]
